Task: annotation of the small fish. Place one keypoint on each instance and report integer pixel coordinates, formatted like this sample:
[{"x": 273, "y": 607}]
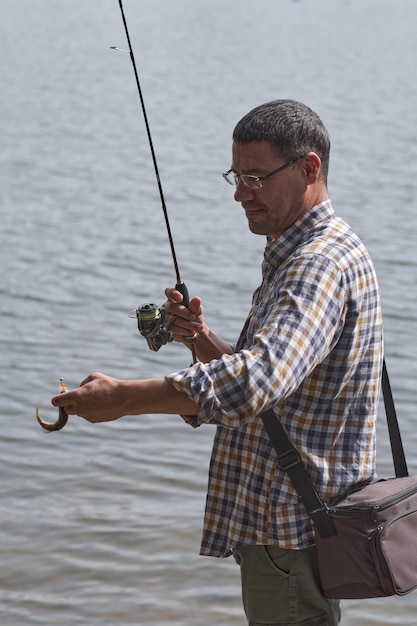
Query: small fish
[{"x": 62, "y": 415}]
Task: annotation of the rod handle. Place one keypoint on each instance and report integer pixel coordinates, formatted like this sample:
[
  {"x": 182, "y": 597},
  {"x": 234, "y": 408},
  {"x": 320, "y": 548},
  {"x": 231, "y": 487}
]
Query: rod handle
[{"x": 180, "y": 286}]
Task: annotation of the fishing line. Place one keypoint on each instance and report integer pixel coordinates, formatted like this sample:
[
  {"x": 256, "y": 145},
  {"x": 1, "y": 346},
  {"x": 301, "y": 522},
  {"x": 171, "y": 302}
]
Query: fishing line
[{"x": 180, "y": 286}]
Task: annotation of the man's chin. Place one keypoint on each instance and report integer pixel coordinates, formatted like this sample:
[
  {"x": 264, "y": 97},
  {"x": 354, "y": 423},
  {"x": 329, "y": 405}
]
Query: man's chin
[{"x": 257, "y": 229}]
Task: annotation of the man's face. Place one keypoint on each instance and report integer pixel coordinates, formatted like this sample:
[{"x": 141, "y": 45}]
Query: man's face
[{"x": 281, "y": 200}]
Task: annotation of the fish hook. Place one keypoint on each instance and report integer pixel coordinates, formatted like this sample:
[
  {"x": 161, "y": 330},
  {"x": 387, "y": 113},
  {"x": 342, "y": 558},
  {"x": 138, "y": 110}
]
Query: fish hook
[{"x": 63, "y": 415}]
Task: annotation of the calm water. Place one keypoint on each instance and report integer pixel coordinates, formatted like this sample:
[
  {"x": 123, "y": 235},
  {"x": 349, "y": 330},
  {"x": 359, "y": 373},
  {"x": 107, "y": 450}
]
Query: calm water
[{"x": 100, "y": 525}]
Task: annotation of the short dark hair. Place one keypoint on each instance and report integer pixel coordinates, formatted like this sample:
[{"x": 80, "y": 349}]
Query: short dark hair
[{"x": 292, "y": 128}]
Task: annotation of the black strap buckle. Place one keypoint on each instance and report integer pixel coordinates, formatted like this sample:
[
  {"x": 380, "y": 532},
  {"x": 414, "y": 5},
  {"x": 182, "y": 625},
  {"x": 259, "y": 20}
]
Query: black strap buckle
[{"x": 288, "y": 459}]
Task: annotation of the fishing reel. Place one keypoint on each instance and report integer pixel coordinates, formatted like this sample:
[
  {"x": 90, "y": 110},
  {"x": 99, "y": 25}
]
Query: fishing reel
[{"x": 151, "y": 320}]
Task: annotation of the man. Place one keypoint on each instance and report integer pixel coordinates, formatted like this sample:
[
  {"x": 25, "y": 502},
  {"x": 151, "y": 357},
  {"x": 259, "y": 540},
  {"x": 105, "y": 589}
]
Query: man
[{"x": 310, "y": 349}]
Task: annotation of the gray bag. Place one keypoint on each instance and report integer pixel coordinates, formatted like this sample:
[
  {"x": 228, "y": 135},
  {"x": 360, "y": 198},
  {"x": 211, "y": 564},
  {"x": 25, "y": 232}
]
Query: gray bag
[{"x": 374, "y": 550}]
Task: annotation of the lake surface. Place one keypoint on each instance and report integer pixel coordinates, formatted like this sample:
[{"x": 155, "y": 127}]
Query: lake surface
[{"x": 100, "y": 525}]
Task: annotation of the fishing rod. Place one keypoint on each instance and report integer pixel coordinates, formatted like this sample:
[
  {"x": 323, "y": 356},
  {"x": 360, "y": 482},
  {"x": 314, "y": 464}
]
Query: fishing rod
[{"x": 150, "y": 317}]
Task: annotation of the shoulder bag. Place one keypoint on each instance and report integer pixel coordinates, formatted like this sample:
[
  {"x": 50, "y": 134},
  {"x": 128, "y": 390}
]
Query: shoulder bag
[{"x": 367, "y": 542}]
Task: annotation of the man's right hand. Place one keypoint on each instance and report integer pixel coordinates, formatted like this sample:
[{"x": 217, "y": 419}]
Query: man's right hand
[{"x": 189, "y": 320}]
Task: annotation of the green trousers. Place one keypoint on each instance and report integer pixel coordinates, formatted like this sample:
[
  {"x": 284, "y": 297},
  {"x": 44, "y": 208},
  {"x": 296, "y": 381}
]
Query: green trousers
[{"x": 281, "y": 588}]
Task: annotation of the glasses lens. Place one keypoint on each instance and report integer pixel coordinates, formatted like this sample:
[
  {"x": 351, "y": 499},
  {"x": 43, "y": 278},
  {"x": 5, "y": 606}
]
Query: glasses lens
[
  {"x": 232, "y": 178},
  {"x": 252, "y": 182},
  {"x": 229, "y": 177}
]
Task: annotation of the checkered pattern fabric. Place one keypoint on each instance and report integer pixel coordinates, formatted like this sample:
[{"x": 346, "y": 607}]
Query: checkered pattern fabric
[{"x": 311, "y": 349}]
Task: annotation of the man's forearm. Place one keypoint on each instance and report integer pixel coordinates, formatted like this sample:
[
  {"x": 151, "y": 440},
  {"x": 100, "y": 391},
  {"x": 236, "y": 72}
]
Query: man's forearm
[
  {"x": 155, "y": 395},
  {"x": 101, "y": 398},
  {"x": 209, "y": 346}
]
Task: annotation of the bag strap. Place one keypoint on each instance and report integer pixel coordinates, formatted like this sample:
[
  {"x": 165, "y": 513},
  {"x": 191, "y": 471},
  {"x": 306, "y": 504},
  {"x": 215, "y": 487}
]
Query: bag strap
[
  {"x": 397, "y": 449},
  {"x": 290, "y": 461}
]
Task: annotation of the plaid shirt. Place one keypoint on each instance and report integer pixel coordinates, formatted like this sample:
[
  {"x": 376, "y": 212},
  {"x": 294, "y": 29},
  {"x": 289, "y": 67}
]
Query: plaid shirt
[{"x": 311, "y": 349}]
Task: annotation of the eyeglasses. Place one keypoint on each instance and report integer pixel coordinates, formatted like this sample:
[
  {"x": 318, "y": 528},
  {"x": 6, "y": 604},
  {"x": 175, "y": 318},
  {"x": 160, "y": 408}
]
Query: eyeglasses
[{"x": 254, "y": 182}]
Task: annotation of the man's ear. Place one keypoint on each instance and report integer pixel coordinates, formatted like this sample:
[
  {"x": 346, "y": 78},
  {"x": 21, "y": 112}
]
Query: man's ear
[{"x": 312, "y": 167}]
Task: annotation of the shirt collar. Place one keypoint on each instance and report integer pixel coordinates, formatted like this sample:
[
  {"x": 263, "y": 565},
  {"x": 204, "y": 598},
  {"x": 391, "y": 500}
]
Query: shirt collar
[{"x": 277, "y": 250}]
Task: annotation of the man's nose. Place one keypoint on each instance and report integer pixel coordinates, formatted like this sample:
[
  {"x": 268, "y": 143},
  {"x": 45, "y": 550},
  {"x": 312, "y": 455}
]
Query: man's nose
[{"x": 243, "y": 192}]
